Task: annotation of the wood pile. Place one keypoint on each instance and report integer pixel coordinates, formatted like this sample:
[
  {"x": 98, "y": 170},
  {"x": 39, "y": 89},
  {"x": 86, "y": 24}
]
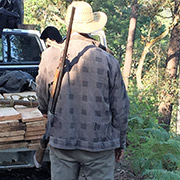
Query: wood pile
[{"x": 20, "y": 126}]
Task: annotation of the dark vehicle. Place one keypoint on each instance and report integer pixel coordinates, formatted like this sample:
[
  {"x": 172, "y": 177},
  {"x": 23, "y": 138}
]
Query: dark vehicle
[{"x": 21, "y": 50}]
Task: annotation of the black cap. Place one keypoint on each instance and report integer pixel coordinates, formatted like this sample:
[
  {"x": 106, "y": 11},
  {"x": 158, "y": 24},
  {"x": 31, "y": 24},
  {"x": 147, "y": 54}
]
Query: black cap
[{"x": 51, "y": 33}]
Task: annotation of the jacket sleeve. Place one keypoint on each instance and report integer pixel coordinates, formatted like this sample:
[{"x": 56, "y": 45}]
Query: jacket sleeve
[
  {"x": 119, "y": 103},
  {"x": 44, "y": 80},
  {"x": 42, "y": 86}
]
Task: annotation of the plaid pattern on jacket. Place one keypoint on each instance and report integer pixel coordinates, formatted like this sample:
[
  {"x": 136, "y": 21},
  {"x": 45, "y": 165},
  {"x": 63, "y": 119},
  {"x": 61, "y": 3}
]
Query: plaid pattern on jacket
[{"x": 92, "y": 108}]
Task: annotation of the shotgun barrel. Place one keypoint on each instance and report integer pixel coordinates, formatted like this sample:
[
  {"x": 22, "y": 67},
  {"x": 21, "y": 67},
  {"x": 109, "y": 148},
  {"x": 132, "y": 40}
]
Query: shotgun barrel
[
  {"x": 59, "y": 71},
  {"x": 38, "y": 156}
]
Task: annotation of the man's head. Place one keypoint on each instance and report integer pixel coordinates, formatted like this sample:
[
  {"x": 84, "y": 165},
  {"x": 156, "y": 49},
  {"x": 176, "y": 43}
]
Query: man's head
[
  {"x": 52, "y": 33},
  {"x": 85, "y": 21}
]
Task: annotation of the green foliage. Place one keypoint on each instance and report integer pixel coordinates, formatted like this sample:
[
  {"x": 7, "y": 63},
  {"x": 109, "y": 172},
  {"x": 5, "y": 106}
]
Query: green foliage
[
  {"x": 44, "y": 13},
  {"x": 153, "y": 7},
  {"x": 154, "y": 153},
  {"x": 151, "y": 149},
  {"x": 159, "y": 174},
  {"x": 118, "y": 14},
  {"x": 161, "y": 88}
]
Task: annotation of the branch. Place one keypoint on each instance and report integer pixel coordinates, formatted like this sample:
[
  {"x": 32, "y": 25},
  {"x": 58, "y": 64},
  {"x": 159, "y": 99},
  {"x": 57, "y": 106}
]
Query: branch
[{"x": 150, "y": 44}]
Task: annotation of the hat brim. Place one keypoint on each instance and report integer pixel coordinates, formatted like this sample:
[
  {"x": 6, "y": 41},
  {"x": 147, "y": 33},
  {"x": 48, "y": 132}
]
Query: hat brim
[{"x": 99, "y": 22}]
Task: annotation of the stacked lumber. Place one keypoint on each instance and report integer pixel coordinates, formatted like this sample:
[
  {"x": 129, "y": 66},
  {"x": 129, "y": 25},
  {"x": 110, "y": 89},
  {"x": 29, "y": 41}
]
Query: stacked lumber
[
  {"x": 20, "y": 126},
  {"x": 35, "y": 124},
  {"x": 12, "y": 130}
]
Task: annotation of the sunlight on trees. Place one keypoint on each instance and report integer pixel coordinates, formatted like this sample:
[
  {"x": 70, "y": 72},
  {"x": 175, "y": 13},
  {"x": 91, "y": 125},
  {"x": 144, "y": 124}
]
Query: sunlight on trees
[{"x": 152, "y": 149}]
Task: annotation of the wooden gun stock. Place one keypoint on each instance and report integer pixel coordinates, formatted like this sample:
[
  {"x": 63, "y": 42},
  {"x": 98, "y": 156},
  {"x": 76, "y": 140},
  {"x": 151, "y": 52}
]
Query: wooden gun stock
[
  {"x": 59, "y": 71},
  {"x": 38, "y": 156}
]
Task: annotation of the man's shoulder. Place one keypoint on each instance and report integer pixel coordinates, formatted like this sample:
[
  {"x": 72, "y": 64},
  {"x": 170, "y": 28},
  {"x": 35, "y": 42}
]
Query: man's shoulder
[
  {"x": 52, "y": 49},
  {"x": 97, "y": 51},
  {"x": 103, "y": 53}
]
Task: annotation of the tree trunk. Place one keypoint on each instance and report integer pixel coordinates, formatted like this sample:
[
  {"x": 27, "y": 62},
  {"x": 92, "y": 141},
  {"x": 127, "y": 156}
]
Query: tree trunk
[
  {"x": 178, "y": 110},
  {"x": 173, "y": 52},
  {"x": 166, "y": 107},
  {"x": 130, "y": 43},
  {"x": 21, "y": 4},
  {"x": 140, "y": 65}
]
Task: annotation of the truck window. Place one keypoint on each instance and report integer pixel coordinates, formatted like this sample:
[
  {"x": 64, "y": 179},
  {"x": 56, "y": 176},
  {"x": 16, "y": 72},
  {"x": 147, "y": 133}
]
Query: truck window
[
  {"x": 0, "y": 51},
  {"x": 20, "y": 48}
]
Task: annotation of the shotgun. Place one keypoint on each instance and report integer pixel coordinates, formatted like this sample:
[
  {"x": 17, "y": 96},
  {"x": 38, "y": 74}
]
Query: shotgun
[
  {"x": 38, "y": 156},
  {"x": 59, "y": 71}
]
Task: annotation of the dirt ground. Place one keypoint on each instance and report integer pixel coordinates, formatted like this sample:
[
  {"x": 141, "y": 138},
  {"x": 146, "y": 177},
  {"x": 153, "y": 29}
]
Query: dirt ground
[
  {"x": 25, "y": 174},
  {"x": 122, "y": 172}
]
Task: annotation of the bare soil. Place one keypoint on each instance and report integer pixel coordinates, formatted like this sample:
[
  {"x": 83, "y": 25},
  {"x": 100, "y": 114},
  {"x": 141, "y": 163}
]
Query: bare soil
[
  {"x": 122, "y": 172},
  {"x": 25, "y": 174}
]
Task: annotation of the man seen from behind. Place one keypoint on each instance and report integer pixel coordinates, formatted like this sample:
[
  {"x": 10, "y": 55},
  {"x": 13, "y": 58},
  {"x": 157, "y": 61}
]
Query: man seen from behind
[{"x": 88, "y": 128}]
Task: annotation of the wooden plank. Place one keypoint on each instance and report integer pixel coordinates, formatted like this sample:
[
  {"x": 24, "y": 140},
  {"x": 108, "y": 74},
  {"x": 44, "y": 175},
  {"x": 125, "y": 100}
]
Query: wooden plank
[
  {"x": 34, "y": 133},
  {"x": 13, "y": 145},
  {"x": 13, "y": 138},
  {"x": 14, "y": 128},
  {"x": 11, "y": 126},
  {"x": 30, "y": 114},
  {"x": 9, "y": 123},
  {"x": 39, "y": 124},
  {"x": 33, "y": 137},
  {"x": 35, "y": 126},
  {"x": 9, "y": 113},
  {"x": 36, "y": 141},
  {"x": 12, "y": 133},
  {"x": 34, "y": 129},
  {"x": 33, "y": 146}
]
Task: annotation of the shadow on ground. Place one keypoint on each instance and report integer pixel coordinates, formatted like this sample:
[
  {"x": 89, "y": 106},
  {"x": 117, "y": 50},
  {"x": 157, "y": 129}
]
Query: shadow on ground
[{"x": 122, "y": 172}]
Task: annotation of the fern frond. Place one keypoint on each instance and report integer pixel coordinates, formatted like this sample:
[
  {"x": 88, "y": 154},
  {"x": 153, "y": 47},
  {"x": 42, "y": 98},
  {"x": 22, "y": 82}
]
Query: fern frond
[
  {"x": 160, "y": 174},
  {"x": 160, "y": 134}
]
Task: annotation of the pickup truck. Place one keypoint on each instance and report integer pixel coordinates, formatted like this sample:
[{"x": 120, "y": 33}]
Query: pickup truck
[{"x": 21, "y": 50}]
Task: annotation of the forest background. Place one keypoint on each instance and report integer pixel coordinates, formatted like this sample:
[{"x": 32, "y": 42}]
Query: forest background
[{"x": 144, "y": 36}]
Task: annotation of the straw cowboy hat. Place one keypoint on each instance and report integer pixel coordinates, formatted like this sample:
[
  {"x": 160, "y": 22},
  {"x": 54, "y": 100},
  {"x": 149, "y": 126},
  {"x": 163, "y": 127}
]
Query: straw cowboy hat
[{"x": 85, "y": 21}]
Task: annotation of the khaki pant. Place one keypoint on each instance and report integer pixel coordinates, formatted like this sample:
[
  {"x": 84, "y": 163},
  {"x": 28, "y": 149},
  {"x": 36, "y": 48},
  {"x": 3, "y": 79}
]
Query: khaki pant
[{"x": 66, "y": 164}]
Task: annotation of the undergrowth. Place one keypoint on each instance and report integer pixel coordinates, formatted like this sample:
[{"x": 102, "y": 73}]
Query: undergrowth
[{"x": 153, "y": 152}]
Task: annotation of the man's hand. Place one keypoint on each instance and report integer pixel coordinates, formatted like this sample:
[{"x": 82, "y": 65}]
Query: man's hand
[
  {"x": 119, "y": 153},
  {"x": 45, "y": 115}
]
